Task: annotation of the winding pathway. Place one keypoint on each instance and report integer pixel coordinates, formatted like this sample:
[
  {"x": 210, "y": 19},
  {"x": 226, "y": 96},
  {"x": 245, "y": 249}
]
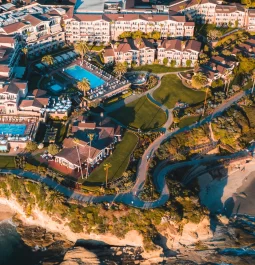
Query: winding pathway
[{"x": 131, "y": 198}]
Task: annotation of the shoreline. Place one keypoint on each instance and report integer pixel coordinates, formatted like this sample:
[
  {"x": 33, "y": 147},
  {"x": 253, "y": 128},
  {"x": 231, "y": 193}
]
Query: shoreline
[
  {"x": 9, "y": 208},
  {"x": 6, "y": 212}
]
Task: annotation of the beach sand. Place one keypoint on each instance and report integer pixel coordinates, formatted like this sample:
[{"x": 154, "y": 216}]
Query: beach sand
[
  {"x": 232, "y": 194},
  {"x": 6, "y": 212}
]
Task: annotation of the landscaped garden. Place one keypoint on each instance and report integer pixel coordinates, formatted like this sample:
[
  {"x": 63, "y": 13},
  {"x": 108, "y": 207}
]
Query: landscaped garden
[
  {"x": 172, "y": 90},
  {"x": 119, "y": 160},
  {"x": 157, "y": 68},
  {"x": 140, "y": 114}
]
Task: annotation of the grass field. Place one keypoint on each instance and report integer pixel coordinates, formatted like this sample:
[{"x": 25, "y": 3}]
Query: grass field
[
  {"x": 7, "y": 162},
  {"x": 186, "y": 121},
  {"x": 157, "y": 68},
  {"x": 119, "y": 160},
  {"x": 141, "y": 114},
  {"x": 172, "y": 90}
]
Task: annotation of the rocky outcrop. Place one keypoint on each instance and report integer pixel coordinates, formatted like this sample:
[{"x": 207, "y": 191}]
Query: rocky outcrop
[
  {"x": 80, "y": 256},
  {"x": 185, "y": 234}
]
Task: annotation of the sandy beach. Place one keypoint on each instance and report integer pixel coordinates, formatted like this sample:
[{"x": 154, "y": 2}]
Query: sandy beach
[
  {"x": 232, "y": 194},
  {"x": 6, "y": 212}
]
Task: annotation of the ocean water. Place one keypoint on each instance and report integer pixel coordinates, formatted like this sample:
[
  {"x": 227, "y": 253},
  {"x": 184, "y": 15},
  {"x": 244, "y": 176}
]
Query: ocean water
[{"x": 12, "y": 249}]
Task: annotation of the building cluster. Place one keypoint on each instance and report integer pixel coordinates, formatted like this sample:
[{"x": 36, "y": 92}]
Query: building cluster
[
  {"x": 88, "y": 144},
  {"x": 146, "y": 51},
  {"x": 216, "y": 12},
  {"x": 219, "y": 66}
]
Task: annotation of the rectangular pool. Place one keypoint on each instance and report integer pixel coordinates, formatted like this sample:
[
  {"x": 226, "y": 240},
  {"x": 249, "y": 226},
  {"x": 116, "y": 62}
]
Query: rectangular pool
[
  {"x": 13, "y": 129},
  {"x": 79, "y": 73}
]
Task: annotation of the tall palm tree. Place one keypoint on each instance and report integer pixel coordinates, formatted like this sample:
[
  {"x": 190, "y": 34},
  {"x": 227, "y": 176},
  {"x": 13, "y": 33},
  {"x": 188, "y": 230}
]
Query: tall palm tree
[
  {"x": 253, "y": 80},
  {"x": 199, "y": 80},
  {"x": 48, "y": 59},
  {"x": 206, "y": 94},
  {"x": 81, "y": 48},
  {"x": 25, "y": 51},
  {"x": 120, "y": 69},
  {"x": 84, "y": 85},
  {"x": 106, "y": 169},
  {"x": 228, "y": 79},
  {"x": 91, "y": 137}
]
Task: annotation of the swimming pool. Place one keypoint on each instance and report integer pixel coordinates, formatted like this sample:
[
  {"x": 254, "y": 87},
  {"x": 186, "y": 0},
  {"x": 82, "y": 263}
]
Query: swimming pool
[
  {"x": 79, "y": 73},
  {"x": 13, "y": 129}
]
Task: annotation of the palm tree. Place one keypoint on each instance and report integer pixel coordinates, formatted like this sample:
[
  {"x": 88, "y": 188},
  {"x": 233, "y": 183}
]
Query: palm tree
[
  {"x": 91, "y": 137},
  {"x": 84, "y": 85},
  {"x": 120, "y": 69},
  {"x": 57, "y": 198},
  {"x": 196, "y": 66},
  {"x": 25, "y": 51},
  {"x": 253, "y": 80},
  {"x": 206, "y": 94},
  {"x": 228, "y": 79},
  {"x": 199, "y": 80},
  {"x": 106, "y": 169},
  {"x": 48, "y": 59},
  {"x": 81, "y": 48}
]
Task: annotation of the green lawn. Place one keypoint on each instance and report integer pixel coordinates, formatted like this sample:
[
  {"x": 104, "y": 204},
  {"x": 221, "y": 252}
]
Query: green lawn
[
  {"x": 141, "y": 114},
  {"x": 119, "y": 160},
  {"x": 157, "y": 68},
  {"x": 172, "y": 90},
  {"x": 186, "y": 121},
  {"x": 7, "y": 162}
]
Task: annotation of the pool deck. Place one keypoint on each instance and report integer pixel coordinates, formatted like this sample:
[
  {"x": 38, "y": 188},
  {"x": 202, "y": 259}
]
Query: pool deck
[{"x": 111, "y": 86}]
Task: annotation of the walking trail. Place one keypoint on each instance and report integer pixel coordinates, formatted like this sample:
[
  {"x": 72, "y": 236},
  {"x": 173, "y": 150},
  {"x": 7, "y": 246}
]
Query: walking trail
[{"x": 131, "y": 198}]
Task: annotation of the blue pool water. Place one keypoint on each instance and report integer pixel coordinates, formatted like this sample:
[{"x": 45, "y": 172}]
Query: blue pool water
[
  {"x": 56, "y": 88},
  {"x": 79, "y": 73},
  {"x": 12, "y": 128}
]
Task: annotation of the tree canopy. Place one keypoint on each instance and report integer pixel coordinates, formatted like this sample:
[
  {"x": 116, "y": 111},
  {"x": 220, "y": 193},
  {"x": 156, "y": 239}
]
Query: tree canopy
[
  {"x": 31, "y": 146},
  {"x": 199, "y": 80},
  {"x": 53, "y": 149}
]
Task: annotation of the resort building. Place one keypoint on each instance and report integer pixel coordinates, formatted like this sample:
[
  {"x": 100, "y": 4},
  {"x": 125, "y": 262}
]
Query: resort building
[
  {"x": 137, "y": 52},
  {"x": 36, "y": 27},
  {"x": 178, "y": 51},
  {"x": 218, "y": 67},
  {"x": 10, "y": 95},
  {"x": 107, "y": 27},
  {"x": 213, "y": 12},
  {"x": 9, "y": 56},
  {"x": 81, "y": 149}
]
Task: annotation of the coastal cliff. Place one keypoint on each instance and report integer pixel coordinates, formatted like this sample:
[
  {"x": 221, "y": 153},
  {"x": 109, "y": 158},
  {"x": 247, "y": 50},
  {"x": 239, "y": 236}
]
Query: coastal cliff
[{"x": 94, "y": 233}]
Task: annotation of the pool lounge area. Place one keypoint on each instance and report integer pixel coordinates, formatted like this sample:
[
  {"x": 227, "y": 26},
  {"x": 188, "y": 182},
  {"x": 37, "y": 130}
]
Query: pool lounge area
[
  {"x": 103, "y": 84},
  {"x": 78, "y": 73},
  {"x": 16, "y": 132}
]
